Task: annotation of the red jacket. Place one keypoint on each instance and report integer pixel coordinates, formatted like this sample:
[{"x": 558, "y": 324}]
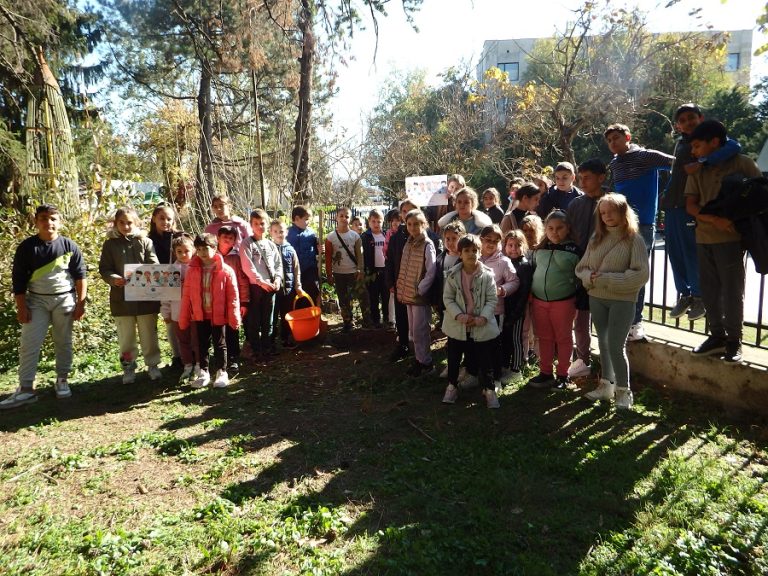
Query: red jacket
[{"x": 225, "y": 301}]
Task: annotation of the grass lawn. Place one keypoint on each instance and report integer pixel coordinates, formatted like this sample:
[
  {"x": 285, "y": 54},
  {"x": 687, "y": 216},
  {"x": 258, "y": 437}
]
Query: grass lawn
[{"x": 332, "y": 461}]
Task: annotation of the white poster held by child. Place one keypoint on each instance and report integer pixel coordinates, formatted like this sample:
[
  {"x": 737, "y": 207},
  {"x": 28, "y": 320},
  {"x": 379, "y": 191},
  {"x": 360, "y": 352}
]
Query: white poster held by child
[
  {"x": 154, "y": 282},
  {"x": 427, "y": 190}
]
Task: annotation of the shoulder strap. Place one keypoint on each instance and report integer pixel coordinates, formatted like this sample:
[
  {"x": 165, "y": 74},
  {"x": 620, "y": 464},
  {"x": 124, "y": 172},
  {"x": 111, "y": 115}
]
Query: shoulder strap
[{"x": 346, "y": 249}]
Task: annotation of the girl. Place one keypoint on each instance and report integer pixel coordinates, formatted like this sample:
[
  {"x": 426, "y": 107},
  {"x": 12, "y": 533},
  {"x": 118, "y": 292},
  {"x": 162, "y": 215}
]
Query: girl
[
  {"x": 470, "y": 300},
  {"x": 554, "y": 294},
  {"x": 491, "y": 201},
  {"x": 162, "y": 232},
  {"x": 221, "y": 206},
  {"x": 533, "y": 228},
  {"x": 393, "y": 223},
  {"x": 467, "y": 212},
  {"x": 126, "y": 244},
  {"x": 446, "y": 260},
  {"x": 526, "y": 201},
  {"x": 613, "y": 270},
  {"x": 415, "y": 277},
  {"x": 210, "y": 300},
  {"x": 506, "y": 284},
  {"x": 514, "y": 338}
]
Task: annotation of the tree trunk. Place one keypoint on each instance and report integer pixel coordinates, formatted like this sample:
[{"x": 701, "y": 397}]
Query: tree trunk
[
  {"x": 301, "y": 149},
  {"x": 204, "y": 165}
]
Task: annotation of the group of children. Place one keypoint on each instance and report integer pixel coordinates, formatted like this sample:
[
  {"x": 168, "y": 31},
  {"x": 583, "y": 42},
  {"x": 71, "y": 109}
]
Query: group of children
[{"x": 559, "y": 259}]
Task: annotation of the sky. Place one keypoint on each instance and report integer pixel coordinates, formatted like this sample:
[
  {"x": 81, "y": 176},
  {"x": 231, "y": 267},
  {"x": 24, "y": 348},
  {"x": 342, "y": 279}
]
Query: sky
[{"x": 453, "y": 31}]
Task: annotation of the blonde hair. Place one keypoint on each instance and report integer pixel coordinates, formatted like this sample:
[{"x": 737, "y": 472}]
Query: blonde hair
[
  {"x": 469, "y": 193},
  {"x": 629, "y": 224},
  {"x": 534, "y": 222}
]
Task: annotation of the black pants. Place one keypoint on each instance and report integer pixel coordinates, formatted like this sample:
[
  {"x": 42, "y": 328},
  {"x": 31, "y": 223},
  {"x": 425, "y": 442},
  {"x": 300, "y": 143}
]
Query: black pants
[
  {"x": 207, "y": 333},
  {"x": 260, "y": 312},
  {"x": 379, "y": 297},
  {"x": 283, "y": 305},
  {"x": 478, "y": 359},
  {"x": 310, "y": 283},
  {"x": 513, "y": 349},
  {"x": 401, "y": 323},
  {"x": 232, "y": 338}
]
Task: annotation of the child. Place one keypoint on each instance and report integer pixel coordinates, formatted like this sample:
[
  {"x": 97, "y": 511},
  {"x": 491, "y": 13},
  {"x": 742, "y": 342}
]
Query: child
[
  {"x": 581, "y": 218},
  {"x": 261, "y": 262},
  {"x": 533, "y": 228},
  {"x": 49, "y": 287},
  {"x": 373, "y": 257},
  {"x": 291, "y": 284},
  {"x": 161, "y": 232},
  {"x": 307, "y": 246},
  {"x": 514, "y": 339},
  {"x": 525, "y": 202},
  {"x": 469, "y": 322},
  {"x": 446, "y": 260},
  {"x": 209, "y": 299},
  {"x": 679, "y": 226},
  {"x": 554, "y": 290},
  {"x": 356, "y": 224},
  {"x": 230, "y": 251},
  {"x": 507, "y": 283},
  {"x": 183, "y": 249},
  {"x": 718, "y": 244},
  {"x": 467, "y": 212},
  {"x": 126, "y": 244},
  {"x": 613, "y": 270},
  {"x": 454, "y": 183},
  {"x": 562, "y": 193},
  {"x": 635, "y": 172},
  {"x": 393, "y": 255},
  {"x": 344, "y": 268},
  {"x": 393, "y": 225},
  {"x": 222, "y": 211},
  {"x": 414, "y": 279},
  {"x": 491, "y": 200}
]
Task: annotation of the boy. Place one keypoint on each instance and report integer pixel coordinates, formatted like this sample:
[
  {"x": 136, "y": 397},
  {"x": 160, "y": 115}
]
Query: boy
[
  {"x": 393, "y": 256},
  {"x": 307, "y": 246},
  {"x": 581, "y": 217},
  {"x": 229, "y": 249},
  {"x": 344, "y": 268},
  {"x": 454, "y": 183},
  {"x": 291, "y": 284},
  {"x": 261, "y": 262},
  {"x": 373, "y": 258},
  {"x": 561, "y": 193},
  {"x": 718, "y": 245},
  {"x": 679, "y": 226},
  {"x": 635, "y": 173},
  {"x": 356, "y": 224},
  {"x": 49, "y": 287},
  {"x": 222, "y": 211}
]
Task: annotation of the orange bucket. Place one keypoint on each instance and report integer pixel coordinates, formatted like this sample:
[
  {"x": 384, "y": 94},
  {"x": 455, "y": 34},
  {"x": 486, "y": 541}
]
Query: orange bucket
[{"x": 305, "y": 322}]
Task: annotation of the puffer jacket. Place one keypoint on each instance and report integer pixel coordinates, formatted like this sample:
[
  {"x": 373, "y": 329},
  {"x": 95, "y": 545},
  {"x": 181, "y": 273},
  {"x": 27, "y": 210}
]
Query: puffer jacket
[
  {"x": 554, "y": 272},
  {"x": 484, "y": 295},
  {"x": 504, "y": 273},
  {"x": 117, "y": 251},
  {"x": 224, "y": 298}
]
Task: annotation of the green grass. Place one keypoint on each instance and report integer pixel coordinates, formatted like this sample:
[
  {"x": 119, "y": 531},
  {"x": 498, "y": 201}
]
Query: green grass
[{"x": 335, "y": 463}]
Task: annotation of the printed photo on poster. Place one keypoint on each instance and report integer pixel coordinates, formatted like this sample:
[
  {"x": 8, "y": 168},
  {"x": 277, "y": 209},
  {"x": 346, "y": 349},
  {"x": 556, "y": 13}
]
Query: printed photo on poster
[
  {"x": 428, "y": 190},
  {"x": 153, "y": 282}
]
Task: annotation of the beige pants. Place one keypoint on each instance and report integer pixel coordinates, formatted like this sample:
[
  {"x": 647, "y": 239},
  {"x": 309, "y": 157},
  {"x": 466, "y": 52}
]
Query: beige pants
[{"x": 126, "y": 338}]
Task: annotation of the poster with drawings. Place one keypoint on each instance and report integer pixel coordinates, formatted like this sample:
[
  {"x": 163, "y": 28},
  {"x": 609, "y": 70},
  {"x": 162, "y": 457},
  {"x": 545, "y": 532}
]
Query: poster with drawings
[
  {"x": 427, "y": 190},
  {"x": 153, "y": 282}
]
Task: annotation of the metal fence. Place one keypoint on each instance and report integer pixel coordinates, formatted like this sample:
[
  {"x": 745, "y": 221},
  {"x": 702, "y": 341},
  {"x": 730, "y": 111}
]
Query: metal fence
[{"x": 661, "y": 296}]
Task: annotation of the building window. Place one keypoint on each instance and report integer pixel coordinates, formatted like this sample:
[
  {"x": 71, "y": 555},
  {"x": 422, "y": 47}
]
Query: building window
[
  {"x": 512, "y": 69},
  {"x": 732, "y": 62}
]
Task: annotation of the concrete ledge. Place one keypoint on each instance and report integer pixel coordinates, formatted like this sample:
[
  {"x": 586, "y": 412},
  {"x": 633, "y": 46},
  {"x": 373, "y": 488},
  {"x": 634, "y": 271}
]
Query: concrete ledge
[{"x": 666, "y": 360}]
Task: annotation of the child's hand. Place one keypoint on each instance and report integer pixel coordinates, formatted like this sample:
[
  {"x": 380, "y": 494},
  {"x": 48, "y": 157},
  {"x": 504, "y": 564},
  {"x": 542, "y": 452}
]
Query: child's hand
[
  {"x": 119, "y": 282},
  {"x": 722, "y": 224},
  {"x": 243, "y": 311},
  {"x": 462, "y": 318},
  {"x": 593, "y": 276},
  {"x": 480, "y": 320},
  {"x": 23, "y": 315},
  {"x": 500, "y": 291}
]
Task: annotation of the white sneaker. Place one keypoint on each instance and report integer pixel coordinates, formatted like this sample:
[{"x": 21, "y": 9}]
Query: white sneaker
[
  {"x": 18, "y": 398},
  {"x": 579, "y": 369},
  {"x": 201, "y": 381},
  {"x": 62, "y": 388},
  {"x": 624, "y": 399},
  {"x": 451, "y": 393},
  {"x": 497, "y": 386},
  {"x": 511, "y": 376},
  {"x": 491, "y": 400},
  {"x": 186, "y": 374},
  {"x": 221, "y": 380},
  {"x": 196, "y": 372},
  {"x": 605, "y": 391},
  {"x": 129, "y": 375},
  {"x": 444, "y": 373},
  {"x": 636, "y": 332},
  {"x": 154, "y": 373}
]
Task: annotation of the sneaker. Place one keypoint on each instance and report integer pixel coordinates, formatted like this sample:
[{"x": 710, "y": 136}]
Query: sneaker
[
  {"x": 62, "y": 388},
  {"x": 636, "y": 333},
  {"x": 491, "y": 400},
  {"x": 682, "y": 306},
  {"x": 154, "y": 373},
  {"x": 511, "y": 377},
  {"x": 186, "y": 374},
  {"x": 562, "y": 383},
  {"x": 497, "y": 387},
  {"x": 451, "y": 393},
  {"x": 233, "y": 367},
  {"x": 399, "y": 353},
  {"x": 222, "y": 379},
  {"x": 129, "y": 375},
  {"x": 604, "y": 391},
  {"x": 712, "y": 345},
  {"x": 201, "y": 381},
  {"x": 469, "y": 381},
  {"x": 543, "y": 380},
  {"x": 697, "y": 309},
  {"x": 18, "y": 398},
  {"x": 624, "y": 399},
  {"x": 732, "y": 352},
  {"x": 444, "y": 373},
  {"x": 579, "y": 369}
]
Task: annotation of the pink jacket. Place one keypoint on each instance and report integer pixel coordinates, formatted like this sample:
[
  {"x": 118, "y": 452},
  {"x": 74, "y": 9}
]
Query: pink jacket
[
  {"x": 505, "y": 275},
  {"x": 225, "y": 301}
]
